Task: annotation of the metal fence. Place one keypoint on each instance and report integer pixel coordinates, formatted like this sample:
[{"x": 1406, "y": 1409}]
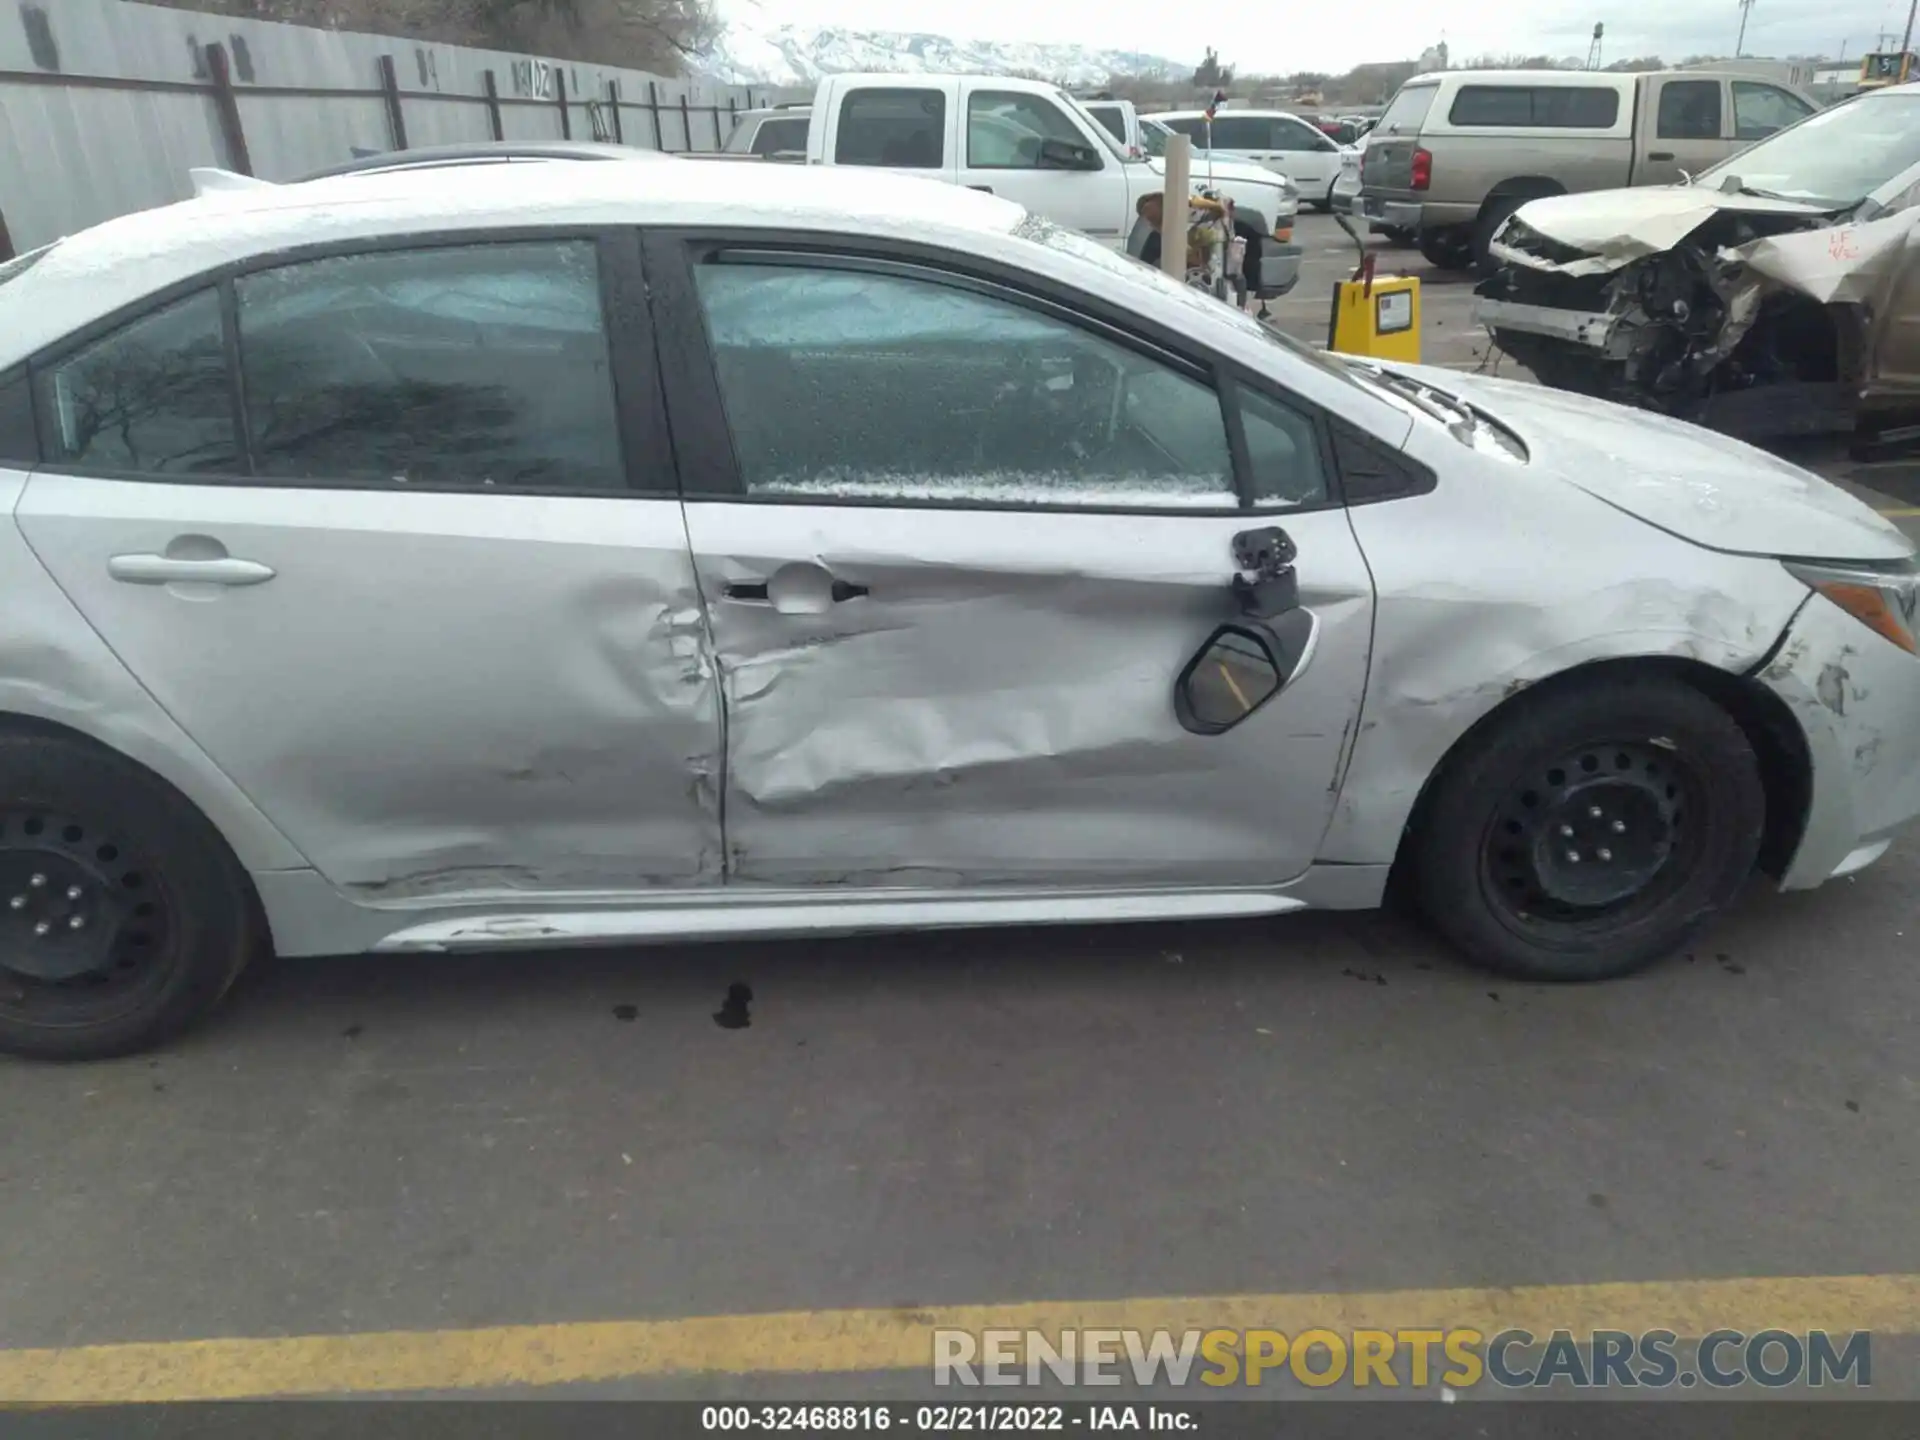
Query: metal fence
[{"x": 105, "y": 105}]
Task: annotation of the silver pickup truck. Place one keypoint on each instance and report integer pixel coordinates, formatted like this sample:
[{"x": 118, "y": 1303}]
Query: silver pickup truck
[{"x": 1456, "y": 153}]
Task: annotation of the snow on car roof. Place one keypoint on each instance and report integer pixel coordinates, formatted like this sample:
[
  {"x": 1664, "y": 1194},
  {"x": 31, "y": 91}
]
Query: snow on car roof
[{"x": 95, "y": 272}]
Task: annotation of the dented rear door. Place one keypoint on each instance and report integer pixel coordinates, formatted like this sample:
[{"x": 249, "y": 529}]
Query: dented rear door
[
  {"x": 447, "y": 635},
  {"x": 956, "y": 547}
]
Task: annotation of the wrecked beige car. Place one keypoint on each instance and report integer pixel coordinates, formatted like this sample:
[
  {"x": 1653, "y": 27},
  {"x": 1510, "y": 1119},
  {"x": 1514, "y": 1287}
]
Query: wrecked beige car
[{"x": 1774, "y": 295}]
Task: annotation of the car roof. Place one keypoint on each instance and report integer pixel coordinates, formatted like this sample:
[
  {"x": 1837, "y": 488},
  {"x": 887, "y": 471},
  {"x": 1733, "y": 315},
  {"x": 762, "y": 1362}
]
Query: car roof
[
  {"x": 482, "y": 152},
  {"x": 96, "y": 272},
  {"x": 1591, "y": 79}
]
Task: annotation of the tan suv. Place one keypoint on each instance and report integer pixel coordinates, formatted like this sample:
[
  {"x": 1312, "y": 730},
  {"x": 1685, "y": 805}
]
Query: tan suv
[{"x": 1455, "y": 153}]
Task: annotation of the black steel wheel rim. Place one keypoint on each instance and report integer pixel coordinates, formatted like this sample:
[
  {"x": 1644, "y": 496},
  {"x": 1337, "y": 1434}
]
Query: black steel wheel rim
[
  {"x": 1599, "y": 836},
  {"x": 86, "y": 928}
]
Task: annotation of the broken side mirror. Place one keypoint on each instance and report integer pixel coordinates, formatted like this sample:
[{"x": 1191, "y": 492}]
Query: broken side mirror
[
  {"x": 1243, "y": 665},
  {"x": 1265, "y": 584}
]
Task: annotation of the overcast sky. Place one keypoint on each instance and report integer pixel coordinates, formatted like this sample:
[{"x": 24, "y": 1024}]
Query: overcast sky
[{"x": 1275, "y": 38}]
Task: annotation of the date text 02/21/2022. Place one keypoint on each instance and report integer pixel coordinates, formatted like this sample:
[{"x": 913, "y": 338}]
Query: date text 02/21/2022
[{"x": 945, "y": 1419}]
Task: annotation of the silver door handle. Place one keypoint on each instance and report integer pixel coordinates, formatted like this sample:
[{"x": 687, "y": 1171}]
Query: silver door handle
[
  {"x": 798, "y": 588},
  {"x": 166, "y": 570}
]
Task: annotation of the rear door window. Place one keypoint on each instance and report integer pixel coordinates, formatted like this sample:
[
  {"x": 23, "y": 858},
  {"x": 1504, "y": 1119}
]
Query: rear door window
[
  {"x": 1111, "y": 120},
  {"x": 1408, "y": 110},
  {"x": 1296, "y": 135},
  {"x": 902, "y": 129},
  {"x": 475, "y": 366},
  {"x": 1689, "y": 110}
]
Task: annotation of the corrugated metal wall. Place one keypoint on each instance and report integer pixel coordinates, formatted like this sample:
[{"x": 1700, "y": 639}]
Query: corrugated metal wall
[{"x": 105, "y": 105}]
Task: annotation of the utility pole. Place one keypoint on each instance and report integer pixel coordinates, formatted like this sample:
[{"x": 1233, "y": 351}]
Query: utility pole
[
  {"x": 1906, "y": 40},
  {"x": 1740, "y": 45}
]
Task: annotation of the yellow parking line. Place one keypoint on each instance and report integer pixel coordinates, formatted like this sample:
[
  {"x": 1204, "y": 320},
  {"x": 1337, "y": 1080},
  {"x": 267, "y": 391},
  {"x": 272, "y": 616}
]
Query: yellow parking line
[
  {"x": 816, "y": 1342},
  {"x": 1900, "y": 512}
]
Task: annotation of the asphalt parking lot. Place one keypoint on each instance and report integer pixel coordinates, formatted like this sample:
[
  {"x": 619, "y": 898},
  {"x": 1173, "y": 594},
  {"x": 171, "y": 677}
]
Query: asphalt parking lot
[{"x": 1323, "y": 1116}]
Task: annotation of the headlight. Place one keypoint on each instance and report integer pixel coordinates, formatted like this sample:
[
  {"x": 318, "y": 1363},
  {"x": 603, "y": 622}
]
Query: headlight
[{"x": 1885, "y": 599}]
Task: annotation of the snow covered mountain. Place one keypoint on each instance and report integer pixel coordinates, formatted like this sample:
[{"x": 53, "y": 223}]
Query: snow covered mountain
[{"x": 801, "y": 54}]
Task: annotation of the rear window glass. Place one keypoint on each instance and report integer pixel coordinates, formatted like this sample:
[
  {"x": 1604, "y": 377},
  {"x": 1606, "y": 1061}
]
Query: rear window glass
[
  {"x": 1409, "y": 110},
  {"x": 780, "y": 135},
  {"x": 903, "y": 129},
  {"x": 1571, "y": 107}
]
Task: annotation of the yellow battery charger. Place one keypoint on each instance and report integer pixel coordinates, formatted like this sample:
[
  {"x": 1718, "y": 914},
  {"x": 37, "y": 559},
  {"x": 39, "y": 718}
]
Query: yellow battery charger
[{"x": 1376, "y": 315}]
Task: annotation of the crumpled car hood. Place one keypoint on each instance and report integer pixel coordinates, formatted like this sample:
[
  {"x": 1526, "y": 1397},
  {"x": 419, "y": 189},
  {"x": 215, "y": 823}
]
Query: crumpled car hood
[
  {"x": 1617, "y": 227},
  {"x": 1701, "y": 486}
]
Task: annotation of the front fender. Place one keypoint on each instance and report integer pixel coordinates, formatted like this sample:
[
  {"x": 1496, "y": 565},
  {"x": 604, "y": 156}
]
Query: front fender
[{"x": 1500, "y": 578}]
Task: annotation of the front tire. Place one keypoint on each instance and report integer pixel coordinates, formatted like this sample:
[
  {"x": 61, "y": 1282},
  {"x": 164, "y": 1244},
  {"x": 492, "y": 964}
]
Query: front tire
[
  {"x": 123, "y": 915},
  {"x": 1496, "y": 214},
  {"x": 1444, "y": 249},
  {"x": 1591, "y": 830}
]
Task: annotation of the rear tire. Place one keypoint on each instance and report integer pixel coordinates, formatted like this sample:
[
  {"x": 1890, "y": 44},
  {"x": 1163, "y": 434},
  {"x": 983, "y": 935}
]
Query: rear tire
[
  {"x": 124, "y": 917},
  {"x": 1511, "y": 863}
]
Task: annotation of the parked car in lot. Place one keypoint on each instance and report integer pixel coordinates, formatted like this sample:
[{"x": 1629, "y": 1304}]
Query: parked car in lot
[
  {"x": 1456, "y": 153},
  {"x": 1776, "y": 295},
  {"x": 1282, "y": 142},
  {"x": 777, "y": 133},
  {"x": 410, "y": 563},
  {"x": 1033, "y": 143}
]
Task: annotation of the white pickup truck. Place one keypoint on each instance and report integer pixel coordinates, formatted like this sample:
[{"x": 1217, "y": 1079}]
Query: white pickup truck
[{"x": 1034, "y": 143}]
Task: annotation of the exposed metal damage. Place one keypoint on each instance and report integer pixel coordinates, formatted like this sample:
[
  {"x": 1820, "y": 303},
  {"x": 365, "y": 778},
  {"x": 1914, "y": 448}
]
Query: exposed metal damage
[{"x": 1751, "y": 315}]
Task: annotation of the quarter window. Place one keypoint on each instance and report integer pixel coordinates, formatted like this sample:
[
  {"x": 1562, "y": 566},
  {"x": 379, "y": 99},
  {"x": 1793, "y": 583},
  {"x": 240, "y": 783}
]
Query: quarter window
[
  {"x": 901, "y": 129},
  {"x": 1760, "y": 110},
  {"x": 1004, "y": 131},
  {"x": 1689, "y": 110},
  {"x": 153, "y": 397},
  {"x": 843, "y": 384},
  {"x": 481, "y": 366}
]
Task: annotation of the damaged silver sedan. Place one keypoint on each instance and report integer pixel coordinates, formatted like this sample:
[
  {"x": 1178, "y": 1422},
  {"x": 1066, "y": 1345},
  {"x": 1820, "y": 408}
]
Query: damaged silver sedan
[
  {"x": 410, "y": 564},
  {"x": 1775, "y": 295}
]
